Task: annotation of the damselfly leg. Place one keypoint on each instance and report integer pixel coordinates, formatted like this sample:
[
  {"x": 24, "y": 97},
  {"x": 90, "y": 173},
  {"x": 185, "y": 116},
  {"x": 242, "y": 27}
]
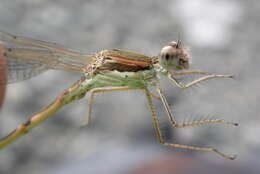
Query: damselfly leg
[
  {"x": 108, "y": 89},
  {"x": 173, "y": 121},
  {"x": 195, "y": 82},
  {"x": 160, "y": 138}
]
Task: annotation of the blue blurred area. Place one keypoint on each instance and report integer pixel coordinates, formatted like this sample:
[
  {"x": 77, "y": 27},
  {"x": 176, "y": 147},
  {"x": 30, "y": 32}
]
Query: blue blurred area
[{"x": 223, "y": 37}]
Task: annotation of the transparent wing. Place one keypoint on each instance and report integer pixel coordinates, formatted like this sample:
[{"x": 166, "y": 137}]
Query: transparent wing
[
  {"x": 20, "y": 70},
  {"x": 27, "y": 57}
]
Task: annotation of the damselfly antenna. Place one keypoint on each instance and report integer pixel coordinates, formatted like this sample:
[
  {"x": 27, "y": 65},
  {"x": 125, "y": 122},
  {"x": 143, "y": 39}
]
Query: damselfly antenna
[{"x": 178, "y": 43}]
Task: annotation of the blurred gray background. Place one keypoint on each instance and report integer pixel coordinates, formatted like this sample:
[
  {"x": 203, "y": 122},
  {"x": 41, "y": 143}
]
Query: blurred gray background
[{"x": 223, "y": 37}]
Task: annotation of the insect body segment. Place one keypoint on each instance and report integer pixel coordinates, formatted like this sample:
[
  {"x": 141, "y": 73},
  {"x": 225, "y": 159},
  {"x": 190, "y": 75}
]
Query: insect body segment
[{"x": 122, "y": 61}]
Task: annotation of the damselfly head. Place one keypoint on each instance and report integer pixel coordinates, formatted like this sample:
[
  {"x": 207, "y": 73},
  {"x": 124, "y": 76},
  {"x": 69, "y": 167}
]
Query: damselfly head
[{"x": 174, "y": 57}]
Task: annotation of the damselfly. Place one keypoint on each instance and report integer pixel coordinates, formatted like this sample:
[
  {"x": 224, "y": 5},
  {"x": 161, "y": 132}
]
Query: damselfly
[{"x": 109, "y": 70}]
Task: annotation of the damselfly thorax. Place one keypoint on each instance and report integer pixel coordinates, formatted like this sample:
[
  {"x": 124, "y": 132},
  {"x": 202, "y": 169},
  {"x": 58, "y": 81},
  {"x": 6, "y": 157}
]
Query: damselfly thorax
[{"x": 172, "y": 57}]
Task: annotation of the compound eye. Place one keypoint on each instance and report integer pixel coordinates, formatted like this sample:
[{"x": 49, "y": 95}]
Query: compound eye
[
  {"x": 167, "y": 56},
  {"x": 167, "y": 52},
  {"x": 173, "y": 44}
]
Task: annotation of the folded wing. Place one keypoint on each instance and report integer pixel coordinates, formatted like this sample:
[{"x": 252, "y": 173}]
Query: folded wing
[{"x": 26, "y": 57}]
